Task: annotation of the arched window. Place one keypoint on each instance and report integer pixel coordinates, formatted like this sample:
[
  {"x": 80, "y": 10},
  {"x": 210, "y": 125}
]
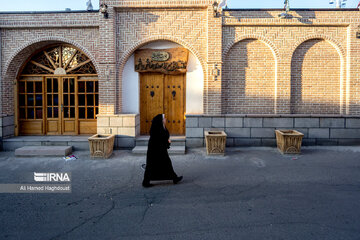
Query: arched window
[{"x": 59, "y": 60}]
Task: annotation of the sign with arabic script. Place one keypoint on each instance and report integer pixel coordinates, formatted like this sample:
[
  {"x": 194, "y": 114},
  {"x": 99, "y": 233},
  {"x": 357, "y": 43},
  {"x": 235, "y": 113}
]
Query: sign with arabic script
[{"x": 168, "y": 61}]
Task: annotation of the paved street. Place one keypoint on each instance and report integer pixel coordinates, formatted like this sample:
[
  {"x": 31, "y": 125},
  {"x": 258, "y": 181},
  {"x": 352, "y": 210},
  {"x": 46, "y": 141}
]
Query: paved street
[{"x": 251, "y": 193}]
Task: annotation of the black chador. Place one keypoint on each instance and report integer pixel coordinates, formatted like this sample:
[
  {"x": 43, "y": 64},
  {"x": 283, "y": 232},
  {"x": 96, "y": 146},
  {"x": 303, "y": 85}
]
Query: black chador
[{"x": 158, "y": 163}]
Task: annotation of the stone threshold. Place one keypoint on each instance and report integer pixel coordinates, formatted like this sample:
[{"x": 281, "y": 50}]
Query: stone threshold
[
  {"x": 172, "y": 138},
  {"x": 48, "y": 151},
  {"x": 47, "y": 138},
  {"x": 78, "y": 143},
  {"x": 174, "y": 150}
]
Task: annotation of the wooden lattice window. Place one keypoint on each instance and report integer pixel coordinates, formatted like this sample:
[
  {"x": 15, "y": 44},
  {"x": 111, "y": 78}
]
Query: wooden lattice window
[
  {"x": 30, "y": 99},
  {"x": 69, "y": 95},
  {"x": 88, "y": 98},
  {"x": 52, "y": 95},
  {"x": 60, "y": 60}
]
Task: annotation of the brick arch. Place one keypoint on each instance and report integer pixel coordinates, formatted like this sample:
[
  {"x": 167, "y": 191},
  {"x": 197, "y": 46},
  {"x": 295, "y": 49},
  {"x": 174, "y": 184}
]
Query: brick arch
[
  {"x": 42, "y": 42},
  {"x": 316, "y": 78},
  {"x": 272, "y": 47},
  {"x": 249, "y": 78},
  {"x": 143, "y": 42},
  {"x": 344, "y": 107},
  {"x": 126, "y": 55},
  {"x": 18, "y": 58},
  {"x": 332, "y": 41}
]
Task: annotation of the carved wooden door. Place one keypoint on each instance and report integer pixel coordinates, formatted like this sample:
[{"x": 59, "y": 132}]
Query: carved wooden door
[
  {"x": 160, "y": 93},
  {"x": 174, "y": 103},
  {"x": 151, "y": 99}
]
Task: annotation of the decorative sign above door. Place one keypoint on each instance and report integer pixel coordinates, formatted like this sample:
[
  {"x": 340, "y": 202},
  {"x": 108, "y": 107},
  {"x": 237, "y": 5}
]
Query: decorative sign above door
[{"x": 168, "y": 61}]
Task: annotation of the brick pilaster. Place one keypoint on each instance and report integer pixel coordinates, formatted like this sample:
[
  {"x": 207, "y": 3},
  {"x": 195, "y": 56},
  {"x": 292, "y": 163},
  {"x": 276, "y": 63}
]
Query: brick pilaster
[
  {"x": 107, "y": 62},
  {"x": 283, "y": 85},
  {"x": 352, "y": 76},
  {"x": 212, "y": 93}
]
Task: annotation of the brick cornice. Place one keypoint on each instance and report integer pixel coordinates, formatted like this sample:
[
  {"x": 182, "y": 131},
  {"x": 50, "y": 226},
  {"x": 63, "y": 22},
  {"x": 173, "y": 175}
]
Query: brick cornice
[
  {"x": 50, "y": 20},
  {"x": 157, "y": 3}
]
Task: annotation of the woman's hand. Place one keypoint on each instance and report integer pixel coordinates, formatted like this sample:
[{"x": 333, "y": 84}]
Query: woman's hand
[{"x": 169, "y": 143}]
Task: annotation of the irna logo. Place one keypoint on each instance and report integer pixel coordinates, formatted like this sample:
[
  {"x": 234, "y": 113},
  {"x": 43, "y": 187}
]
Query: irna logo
[{"x": 51, "y": 177}]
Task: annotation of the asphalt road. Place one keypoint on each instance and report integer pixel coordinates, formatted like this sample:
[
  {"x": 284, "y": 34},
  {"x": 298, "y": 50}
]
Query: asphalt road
[{"x": 251, "y": 193}]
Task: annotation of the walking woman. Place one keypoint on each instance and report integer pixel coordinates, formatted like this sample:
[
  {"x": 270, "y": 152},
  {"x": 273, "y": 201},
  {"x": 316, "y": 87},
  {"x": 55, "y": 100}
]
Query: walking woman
[{"x": 158, "y": 163}]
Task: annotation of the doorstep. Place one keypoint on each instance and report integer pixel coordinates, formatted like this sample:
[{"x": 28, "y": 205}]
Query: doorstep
[
  {"x": 43, "y": 151},
  {"x": 79, "y": 143}
]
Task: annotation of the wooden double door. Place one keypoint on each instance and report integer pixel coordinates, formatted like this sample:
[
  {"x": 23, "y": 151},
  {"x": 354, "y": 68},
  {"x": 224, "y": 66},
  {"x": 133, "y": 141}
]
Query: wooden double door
[
  {"x": 57, "y": 105},
  {"x": 60, "y": 106},
  {"x": 162, "y": 94}
]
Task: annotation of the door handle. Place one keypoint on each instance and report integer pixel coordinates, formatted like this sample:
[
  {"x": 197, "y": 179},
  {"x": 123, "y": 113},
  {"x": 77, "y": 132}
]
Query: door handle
[
  {"x": 173, "y": 93},
  {"x": 62, "y": 107},
  {"x": 152, "y": 93}
]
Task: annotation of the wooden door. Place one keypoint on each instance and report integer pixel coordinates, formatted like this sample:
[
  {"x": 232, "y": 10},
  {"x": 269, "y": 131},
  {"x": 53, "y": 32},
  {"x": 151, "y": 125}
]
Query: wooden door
[
  {"x": 160, "y": 93},
  {"x": 61, "y": 103},
  {"x": 174, "y": 103},
  {"x": 68, "y": 106},
  {"x": 151, "y": 99},
  {"x": 57, "y": 105},
  {"x": 53, "y": 103}
]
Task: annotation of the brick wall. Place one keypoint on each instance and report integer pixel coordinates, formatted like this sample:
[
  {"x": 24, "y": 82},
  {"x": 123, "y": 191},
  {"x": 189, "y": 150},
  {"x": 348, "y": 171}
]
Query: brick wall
[
  {"x": 107, "y": 62},
  {"x": 248, "y": 84},
  {"x": 212, "y": 91},
  {"x": 188, "y": 23},
  {"x": 136, "y": 27},
  {"x": 156, "y": 3},
  {"x": 18, "y": 43},
  {"x": 283, "y": 36},
  {"x": 315, "y": 79}
]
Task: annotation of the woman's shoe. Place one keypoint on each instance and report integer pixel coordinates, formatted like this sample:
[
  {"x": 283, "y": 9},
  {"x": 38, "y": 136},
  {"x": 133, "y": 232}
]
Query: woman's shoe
[{"x": 177, "y": 179}]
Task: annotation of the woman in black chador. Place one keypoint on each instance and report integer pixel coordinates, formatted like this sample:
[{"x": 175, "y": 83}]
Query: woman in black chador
[{"x": 158, "y": 163}]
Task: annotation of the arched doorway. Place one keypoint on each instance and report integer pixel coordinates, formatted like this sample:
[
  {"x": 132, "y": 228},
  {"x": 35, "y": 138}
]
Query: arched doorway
[
  {"x": 57, "y": 93},
  {"x": 134, "y": 91},
  {"x": 162, "y": 87}
]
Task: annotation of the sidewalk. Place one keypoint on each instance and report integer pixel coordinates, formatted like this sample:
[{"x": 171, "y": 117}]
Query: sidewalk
[{"x": 251, "y": 193}]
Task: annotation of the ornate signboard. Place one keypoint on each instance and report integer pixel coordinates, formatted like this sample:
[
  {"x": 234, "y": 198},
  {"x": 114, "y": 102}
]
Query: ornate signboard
[{"x": 168, "y": 61}]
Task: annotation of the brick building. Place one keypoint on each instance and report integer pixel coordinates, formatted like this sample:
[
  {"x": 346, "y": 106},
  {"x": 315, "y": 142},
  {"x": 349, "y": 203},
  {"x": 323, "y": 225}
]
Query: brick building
[{"x": 247, "y": 72}]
